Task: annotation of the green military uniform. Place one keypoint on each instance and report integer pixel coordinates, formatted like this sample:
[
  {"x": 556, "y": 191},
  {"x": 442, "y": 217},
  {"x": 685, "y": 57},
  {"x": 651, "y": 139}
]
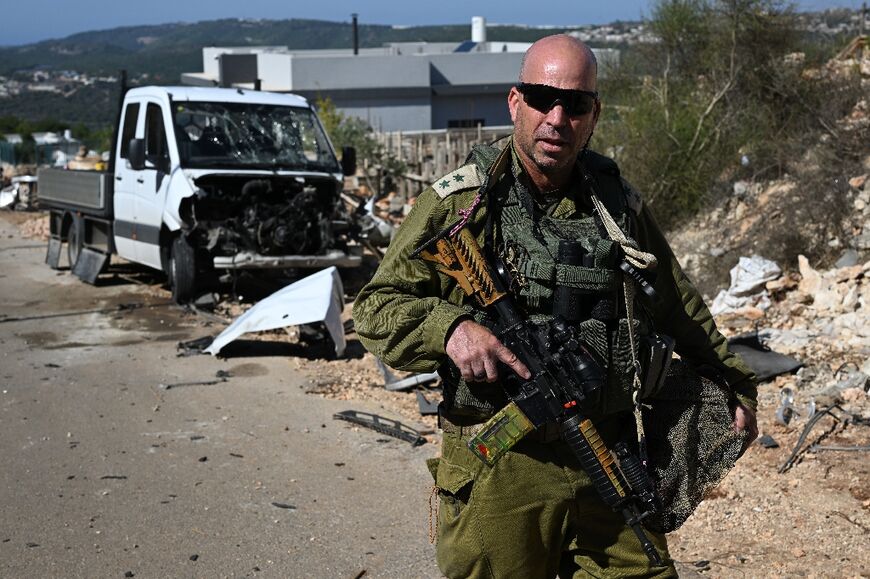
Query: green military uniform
[{"x": 534, "y": 513}]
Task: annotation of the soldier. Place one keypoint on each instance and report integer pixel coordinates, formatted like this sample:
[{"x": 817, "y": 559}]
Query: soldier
[{"x": 535, "y": 513}]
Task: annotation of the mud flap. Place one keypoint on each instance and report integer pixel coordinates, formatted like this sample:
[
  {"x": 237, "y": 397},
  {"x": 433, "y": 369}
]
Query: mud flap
[
  {"x": 89, "y": 265},
  {"x": 52, "y": 257}
]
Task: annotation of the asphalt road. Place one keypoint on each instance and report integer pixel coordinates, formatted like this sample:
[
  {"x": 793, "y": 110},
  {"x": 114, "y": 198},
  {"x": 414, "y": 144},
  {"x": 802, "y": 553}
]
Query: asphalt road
[{"x": 106, "y": 473}]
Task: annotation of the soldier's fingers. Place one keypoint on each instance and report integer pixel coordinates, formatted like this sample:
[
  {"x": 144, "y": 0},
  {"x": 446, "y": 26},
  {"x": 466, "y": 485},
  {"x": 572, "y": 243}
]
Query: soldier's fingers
[
  {"x": 478, "y": 370},
  {"x": 491, "y": 367},
  {"x": 513, "y": 362}
]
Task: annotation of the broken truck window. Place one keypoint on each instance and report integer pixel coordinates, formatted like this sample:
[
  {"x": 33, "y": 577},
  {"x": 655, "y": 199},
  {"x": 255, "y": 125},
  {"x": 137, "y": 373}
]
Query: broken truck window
[{"x": 251, "y": 136}]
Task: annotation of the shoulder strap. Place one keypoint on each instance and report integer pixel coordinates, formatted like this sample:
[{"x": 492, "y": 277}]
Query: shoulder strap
[{"x": 463, "y": 178}]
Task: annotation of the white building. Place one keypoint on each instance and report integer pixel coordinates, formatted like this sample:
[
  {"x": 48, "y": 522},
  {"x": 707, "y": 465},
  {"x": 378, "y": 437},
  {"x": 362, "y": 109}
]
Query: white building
[{"x": 399, "y": 87}]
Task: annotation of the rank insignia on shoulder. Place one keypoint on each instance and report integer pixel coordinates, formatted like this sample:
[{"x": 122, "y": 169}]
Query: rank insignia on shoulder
[{"x": 465, "y": 177}]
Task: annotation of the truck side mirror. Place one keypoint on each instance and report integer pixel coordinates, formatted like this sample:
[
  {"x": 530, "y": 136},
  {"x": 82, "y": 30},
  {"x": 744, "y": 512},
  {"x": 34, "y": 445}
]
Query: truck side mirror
[
  {"x": 348, "y": 161},
  {"x": 136, "y": 154}
]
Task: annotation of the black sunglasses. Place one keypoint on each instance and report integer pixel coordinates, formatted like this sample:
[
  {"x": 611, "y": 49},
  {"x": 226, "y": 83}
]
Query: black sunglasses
[{"x": 543, "y": 98}]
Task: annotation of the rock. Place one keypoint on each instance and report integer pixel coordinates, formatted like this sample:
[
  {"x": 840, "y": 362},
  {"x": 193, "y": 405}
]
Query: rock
[
  {"x": 845, "y": 274},
  {"x": 810, "y": 278},
  {"x": 862, "y": 241},
  {"x": 783, "y": 284},
  {"x": 859, "y": 181},
  {"x": 853, "y": 394},
  {"x": 848, "y": 259},
  {"x": 741, "y": 189}
]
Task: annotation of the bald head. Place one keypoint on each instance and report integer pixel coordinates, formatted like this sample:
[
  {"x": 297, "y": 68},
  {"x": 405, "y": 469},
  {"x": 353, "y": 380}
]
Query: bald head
[
  {"x": 549, "y": 131},
  {"x": 555, "y": 60}
]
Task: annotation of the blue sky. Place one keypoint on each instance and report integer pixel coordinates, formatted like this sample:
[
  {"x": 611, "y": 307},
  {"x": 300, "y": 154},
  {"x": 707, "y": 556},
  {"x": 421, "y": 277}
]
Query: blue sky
[{"x": 25, "y": 21}]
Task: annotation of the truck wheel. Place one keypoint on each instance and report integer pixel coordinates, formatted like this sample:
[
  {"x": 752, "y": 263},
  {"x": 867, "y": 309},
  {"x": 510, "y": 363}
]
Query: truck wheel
[
  {"x": 182, "y": 270},
  {"x": 75, "y": 240}
]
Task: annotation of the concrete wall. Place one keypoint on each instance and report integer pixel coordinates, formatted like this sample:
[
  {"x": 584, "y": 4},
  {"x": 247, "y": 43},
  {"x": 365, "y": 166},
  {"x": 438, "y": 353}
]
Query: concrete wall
[
  {"x": 491, "y": 108},
  {"x": 275, "y": 71},
  {"x": 383, "y": 111},
  {"x": 359, "y": 73},
  {"x": 475, "y": 68}
]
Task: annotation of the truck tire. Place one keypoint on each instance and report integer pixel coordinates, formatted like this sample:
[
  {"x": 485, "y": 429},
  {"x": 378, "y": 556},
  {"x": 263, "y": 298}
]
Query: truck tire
[
  {"x": 75, "y": 240},
  {"x": 182, "y": 270}
]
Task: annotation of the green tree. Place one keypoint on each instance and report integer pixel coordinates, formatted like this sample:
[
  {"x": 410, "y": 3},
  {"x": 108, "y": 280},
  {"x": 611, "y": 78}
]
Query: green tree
[
  {"x": 379, "y": 166},
  {"x": 716, "y": 86}
]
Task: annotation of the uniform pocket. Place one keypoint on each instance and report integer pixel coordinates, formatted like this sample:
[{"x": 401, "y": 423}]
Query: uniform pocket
[
  {"x": 614, "y": 348},
  {"x": 620, "y": 375},
  {"x": 454, "y": 487}
]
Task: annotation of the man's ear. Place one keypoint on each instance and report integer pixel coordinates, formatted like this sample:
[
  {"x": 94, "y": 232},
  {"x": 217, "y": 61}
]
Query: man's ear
[
  {"x": 596, "y": 112},
  {"x": 514, "y": 97}
]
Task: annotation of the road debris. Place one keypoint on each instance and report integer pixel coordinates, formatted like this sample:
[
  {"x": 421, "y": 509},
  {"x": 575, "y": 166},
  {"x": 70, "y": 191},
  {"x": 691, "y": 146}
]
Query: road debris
[
  {"x": 284, "y": 506},
  {"x": 220, "y": 375},
  {"x": 383, "y": 425},
  {"x": 427, "y": 407},
  {"x": 316, "y": 298},
  {"x": 840, "y": 416},
  {"x": 194, "y": 347},
  {"x": 760, "y": 358}
]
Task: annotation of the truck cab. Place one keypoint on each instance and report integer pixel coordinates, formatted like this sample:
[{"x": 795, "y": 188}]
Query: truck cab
[{"x": 217, "y": 179}]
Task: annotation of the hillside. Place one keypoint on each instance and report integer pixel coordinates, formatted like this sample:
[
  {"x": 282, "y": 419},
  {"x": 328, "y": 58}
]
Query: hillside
[
  {"x": 159, "y": 54},
  {"x": 165, "y": 51}
]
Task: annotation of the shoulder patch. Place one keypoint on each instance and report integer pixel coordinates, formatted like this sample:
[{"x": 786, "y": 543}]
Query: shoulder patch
[
  {"x": 465, "y": 177},
  {"x": 632, "y": 197}
]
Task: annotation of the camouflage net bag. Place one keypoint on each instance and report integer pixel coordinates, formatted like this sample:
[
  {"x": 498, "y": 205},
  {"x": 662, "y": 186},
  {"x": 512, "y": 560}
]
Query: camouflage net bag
[{"x": 691, "y": 444}]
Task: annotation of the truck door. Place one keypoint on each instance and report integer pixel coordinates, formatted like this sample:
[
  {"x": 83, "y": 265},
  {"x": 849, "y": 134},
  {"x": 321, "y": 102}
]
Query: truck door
[
  {"x": 125, "y": 185},
  {"x": 152, "y": 184}
]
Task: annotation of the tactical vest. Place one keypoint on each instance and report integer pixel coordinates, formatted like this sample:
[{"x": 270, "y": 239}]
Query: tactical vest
[{"x": 527, "y": 241}]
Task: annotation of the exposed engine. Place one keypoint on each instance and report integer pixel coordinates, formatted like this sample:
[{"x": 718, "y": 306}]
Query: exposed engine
[{"x": 267, "y": 215}]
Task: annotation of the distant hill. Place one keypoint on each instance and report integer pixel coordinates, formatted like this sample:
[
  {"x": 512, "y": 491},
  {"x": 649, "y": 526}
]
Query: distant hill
[
  {"x": 159, "y": 54},
  {"x": 165, "y": 51}
]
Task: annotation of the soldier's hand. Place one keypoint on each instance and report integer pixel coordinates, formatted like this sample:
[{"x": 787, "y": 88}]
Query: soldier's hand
[
  {"x": 744, "y": 419},
  {"x": 476, "y": 352}
]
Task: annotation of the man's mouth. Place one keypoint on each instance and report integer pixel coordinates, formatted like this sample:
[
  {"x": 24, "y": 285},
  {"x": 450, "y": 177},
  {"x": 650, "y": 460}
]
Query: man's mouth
[{"x": 552, "y": 144}]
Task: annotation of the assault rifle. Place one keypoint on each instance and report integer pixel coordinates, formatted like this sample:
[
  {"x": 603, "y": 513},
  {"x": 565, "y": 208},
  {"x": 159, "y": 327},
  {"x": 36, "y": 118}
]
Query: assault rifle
[{"x": 564, "y": 374}]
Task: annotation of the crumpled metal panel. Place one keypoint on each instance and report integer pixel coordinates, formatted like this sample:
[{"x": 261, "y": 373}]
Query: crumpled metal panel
[{"x": 316, "y": 298}]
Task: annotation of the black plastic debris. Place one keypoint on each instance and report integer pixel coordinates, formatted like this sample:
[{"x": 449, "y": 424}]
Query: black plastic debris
[
  {"x": 760, "y": 358},
  {"x": 284, "y": 506},
  {"x": 220, "y": 376},
  {"x": 383, "y": 425},
  {"x": 194, "y": 347},
  {"x": 767, "y": 441}
]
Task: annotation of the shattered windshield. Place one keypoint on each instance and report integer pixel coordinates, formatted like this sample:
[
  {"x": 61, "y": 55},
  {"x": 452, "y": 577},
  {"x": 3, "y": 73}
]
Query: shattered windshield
[{"x": 251, "y": 136}]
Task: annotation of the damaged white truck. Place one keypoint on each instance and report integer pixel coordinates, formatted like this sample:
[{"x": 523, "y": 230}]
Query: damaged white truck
[{"x": 203, "y": 180}]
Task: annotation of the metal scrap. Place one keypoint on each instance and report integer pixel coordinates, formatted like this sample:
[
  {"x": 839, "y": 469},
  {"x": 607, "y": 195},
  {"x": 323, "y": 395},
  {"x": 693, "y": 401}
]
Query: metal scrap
[
  {"x": 841, "y": 416},
  {"x": 383, "y": 425},
  {"x": 392, "y": 383},
  {"x": 316, "y": 298}
]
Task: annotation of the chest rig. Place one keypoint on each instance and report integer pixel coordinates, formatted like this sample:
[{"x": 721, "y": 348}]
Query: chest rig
[{"x": 568, "y": 253}]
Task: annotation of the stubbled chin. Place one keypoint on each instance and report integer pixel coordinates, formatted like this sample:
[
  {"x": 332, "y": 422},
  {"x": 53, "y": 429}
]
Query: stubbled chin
[{"x": 551, "y": 155}]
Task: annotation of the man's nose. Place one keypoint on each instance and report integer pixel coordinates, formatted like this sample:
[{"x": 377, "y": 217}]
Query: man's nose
[{"x": 558, "y": 116}]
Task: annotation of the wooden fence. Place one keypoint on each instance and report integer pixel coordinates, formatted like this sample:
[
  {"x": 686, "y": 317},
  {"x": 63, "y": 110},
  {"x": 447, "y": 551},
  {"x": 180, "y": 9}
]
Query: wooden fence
[{"x": 429, "y": 155}]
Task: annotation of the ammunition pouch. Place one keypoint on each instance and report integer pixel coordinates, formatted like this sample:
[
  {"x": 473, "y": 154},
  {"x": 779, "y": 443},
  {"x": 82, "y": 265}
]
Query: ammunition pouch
[{"x": 655, "y": 355}]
